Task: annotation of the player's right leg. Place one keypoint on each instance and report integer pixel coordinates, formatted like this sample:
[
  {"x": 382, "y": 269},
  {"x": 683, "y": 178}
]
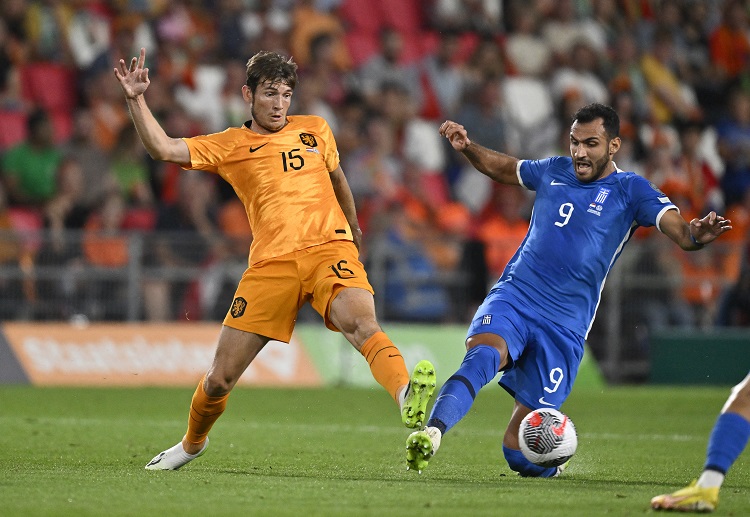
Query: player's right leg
[
  {"x": 480, "y": 365},
  {"x": 234, "y": 352}
]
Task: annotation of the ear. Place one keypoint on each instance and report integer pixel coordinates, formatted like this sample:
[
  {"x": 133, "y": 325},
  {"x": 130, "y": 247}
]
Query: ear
[
  {"x": 614, "y": 145},
  {"x": 247, "y": 94}
]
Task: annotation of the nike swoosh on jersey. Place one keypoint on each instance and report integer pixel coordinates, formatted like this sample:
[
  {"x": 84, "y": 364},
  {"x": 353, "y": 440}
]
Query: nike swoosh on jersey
[
  {"x": 253, "y": 149},
  {"x": 555, "y": 182},
  {"x": 542, "y": 401}
]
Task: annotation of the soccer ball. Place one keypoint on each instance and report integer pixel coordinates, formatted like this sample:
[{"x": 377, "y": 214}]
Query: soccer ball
[{"x": 547, "y": 437}]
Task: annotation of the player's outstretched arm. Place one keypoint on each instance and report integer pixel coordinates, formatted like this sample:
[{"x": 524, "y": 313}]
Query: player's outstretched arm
[
  {"x": 498, "y": 166},
  {"x": 134, "y": 82},
  {"x": 698, "y": 233}
]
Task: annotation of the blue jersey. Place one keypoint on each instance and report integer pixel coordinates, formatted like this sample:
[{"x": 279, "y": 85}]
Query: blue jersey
[{"x": 576, "y": 233}]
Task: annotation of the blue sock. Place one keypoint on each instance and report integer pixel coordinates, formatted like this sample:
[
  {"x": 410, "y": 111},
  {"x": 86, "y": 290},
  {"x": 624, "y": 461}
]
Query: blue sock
[
  {"x": 728, "y": 439},
  {"x": 518, "y": 463},
  {"x": 479, "y": 367}
]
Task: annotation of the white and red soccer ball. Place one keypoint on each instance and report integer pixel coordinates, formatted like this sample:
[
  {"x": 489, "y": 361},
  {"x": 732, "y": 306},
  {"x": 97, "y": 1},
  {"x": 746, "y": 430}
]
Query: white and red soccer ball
[{"x": 547, "y": 437}]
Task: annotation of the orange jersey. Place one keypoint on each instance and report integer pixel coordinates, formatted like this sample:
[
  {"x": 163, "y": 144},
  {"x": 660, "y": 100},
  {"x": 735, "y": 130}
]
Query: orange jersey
[{"x": 283, "y": 180}]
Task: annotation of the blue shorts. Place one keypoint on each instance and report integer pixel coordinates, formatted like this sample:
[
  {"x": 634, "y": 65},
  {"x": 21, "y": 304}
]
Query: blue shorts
[{"x": 544, "y": 356}]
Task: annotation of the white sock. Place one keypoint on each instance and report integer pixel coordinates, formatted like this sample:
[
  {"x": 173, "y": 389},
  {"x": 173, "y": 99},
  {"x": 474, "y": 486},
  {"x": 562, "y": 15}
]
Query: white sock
[
  {"x": 402, "y": 397},
  {"x": 710, "y": 479}
]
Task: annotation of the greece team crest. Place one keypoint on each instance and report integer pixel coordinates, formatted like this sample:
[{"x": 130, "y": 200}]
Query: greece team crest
[{"x": 596, "y": 206}]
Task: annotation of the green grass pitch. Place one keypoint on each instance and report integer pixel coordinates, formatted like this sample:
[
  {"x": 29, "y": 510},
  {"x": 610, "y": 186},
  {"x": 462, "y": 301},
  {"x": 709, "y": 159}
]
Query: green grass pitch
[{"x": 79, "y": 452}]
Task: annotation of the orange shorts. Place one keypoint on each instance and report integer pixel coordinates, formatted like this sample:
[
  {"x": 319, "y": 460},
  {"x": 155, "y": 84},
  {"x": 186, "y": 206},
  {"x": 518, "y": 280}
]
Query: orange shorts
[{"x": 272, "y": 291}]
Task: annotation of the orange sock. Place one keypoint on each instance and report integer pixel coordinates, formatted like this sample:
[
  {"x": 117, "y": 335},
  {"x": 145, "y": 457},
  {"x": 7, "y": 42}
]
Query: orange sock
[
  {"x": 386, "y": 364},
  {"x": 204, "y": 411}
]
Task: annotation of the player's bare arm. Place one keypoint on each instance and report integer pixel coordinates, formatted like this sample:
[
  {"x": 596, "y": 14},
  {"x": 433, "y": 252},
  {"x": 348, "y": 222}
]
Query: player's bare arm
[
  {"x": 346, "y": 201},
  {"x": 697, "y": 233},
  {"x": 134, "y": 82},
  {"x": 495, "y": 165}
]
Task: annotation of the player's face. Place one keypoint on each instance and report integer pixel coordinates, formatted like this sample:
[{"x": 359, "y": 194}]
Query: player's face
[
  {"x": 591, "y": 150},
  {"x": 269, "y": 105}
]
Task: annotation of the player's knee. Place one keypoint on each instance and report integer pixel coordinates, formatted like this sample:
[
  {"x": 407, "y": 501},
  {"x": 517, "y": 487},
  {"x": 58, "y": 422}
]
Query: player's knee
[{"x": 217, "y": 385}]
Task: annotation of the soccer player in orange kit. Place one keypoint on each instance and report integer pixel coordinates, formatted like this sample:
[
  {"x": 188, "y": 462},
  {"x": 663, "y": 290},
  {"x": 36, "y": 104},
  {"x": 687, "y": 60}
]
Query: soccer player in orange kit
[{"x": 285, "y": 170}]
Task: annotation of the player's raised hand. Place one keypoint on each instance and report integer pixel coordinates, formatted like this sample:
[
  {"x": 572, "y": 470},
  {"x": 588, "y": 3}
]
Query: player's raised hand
[
  {"x": 456, "y": 135},
  {"x": 133, "y": 79},
  {"x": 709, "y": 227}
]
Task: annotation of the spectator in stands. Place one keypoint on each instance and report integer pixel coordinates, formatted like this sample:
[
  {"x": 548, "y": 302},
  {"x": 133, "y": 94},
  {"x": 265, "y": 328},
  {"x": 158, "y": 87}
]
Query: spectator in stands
[
  {"x": 106, "y": 246},
  {"x": 411, "y": 293},
  {"x": 672, "y": 99},
  {"x": 30, "y": 168},
  {"x": 95, "y": 163},
  {"x": 130, "y": 169},
  {"x": 387, "y": 68},
  {"x": 735, "y": 308},
  {"x": 46, "y": 25},
  {"x": 60, "y": 295},
  {"x": 374, "y": 169},
  {"x": 502, "y": 226},
  {"x": 441, "y": 79},
  {"x": 419, "y": 145},
  {"x": 308, "y": 23},
  {"x": 525, "y": 47},
  {"x": 186, "y": 236},
  {"x": 483, "y": 115},
  {"x": 734, "y": 146},
  {"x": 730, "y": 43},
  {"x": 580, "y": 77}
]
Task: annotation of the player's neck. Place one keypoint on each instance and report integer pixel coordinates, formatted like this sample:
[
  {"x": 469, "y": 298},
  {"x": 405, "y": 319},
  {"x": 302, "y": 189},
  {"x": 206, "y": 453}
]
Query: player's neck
[{"x": 253, "y": 126}]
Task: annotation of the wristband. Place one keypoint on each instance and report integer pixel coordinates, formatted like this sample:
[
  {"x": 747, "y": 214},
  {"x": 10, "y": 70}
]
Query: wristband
[{"x": 699, "y": 244}]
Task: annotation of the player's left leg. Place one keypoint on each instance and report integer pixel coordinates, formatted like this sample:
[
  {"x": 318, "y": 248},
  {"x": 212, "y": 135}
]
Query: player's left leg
[
  {"x": 342, "y": 294},
  {"x": 353, "y": 313},
  {"x": 728, "y": 439}
]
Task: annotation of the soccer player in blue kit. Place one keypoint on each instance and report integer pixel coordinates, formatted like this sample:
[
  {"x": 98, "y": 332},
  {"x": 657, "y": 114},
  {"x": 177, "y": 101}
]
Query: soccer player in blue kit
[{"x": 533, "y": 323}]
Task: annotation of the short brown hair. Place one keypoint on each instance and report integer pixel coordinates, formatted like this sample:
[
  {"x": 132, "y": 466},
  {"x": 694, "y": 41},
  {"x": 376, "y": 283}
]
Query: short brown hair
[{"x": 270, "y": 66}]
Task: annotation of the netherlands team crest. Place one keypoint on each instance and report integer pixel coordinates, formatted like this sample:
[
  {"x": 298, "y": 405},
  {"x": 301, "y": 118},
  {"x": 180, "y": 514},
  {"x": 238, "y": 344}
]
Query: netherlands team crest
[
  {"x": 238, "y": 307},
  {"x": 308, "y": 139}
]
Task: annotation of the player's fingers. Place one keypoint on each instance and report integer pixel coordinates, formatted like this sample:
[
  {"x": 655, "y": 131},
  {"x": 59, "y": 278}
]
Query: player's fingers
[{"x": 142, "y": 58}]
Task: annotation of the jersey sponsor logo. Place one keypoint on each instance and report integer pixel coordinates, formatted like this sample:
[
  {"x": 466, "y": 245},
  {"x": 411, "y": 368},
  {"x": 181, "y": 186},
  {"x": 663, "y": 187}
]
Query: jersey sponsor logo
[
  {"x": 597, "y": 205},
  {"x": 542, "y": 401},
  {"x": 253, "y": 149},
  {"x": 308, "y": 139},
  {"x": 238, "y": 307},
  {"x": 555, "y": 182},
  {"x": 486, "y": 319}
]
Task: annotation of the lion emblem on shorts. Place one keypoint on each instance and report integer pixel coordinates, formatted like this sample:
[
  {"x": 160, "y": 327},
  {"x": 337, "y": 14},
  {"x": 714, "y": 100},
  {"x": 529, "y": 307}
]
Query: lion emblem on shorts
[{"x": 239, "y": 305}]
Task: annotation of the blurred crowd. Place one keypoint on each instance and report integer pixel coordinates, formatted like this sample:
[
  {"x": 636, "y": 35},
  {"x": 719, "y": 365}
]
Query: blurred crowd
[{"x": 385, "y": 75}]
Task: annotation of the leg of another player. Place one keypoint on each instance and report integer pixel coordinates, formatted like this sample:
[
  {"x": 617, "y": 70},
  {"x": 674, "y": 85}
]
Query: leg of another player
[
  {"x": 728, "y": 439},
  {"x": 353, "y": 313}
]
